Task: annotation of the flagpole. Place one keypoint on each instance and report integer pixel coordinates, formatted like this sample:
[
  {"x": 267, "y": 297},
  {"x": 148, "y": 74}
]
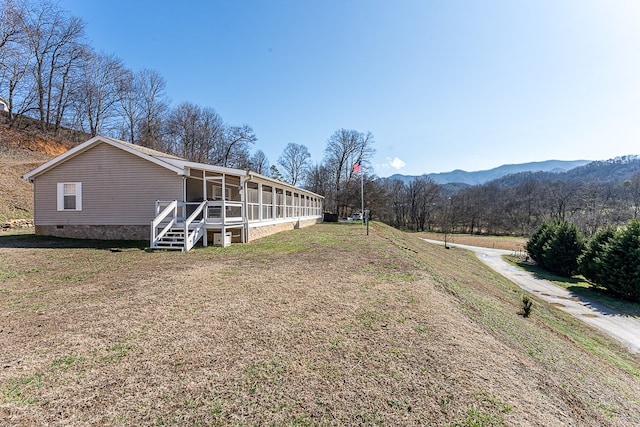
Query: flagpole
[
  {"x": 357, "y": 168},
  {"x": 362, "y": 196}
]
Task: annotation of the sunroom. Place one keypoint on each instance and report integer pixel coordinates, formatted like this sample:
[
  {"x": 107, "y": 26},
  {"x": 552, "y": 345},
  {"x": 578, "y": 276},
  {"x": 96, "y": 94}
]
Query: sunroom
[{"x": 224, "y": 206}]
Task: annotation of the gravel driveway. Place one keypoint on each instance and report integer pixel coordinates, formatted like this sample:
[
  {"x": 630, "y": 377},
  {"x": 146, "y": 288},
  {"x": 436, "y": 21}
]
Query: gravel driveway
[{"x": 623, "y": 328}]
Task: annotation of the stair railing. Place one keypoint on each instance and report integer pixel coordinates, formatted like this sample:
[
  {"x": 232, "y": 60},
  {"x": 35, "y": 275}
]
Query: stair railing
[
  {"x": 191, "y": 237},
  {"x": 172, "y": 208}
]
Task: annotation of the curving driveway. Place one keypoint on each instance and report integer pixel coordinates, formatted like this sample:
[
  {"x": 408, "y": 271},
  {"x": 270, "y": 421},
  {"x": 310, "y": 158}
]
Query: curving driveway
[{"x": 623, "y": 328}]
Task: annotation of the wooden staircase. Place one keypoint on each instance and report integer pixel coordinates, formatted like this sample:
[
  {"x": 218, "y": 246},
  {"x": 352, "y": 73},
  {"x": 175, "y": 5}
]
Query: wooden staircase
[
  {"x": 171, "y": 230},
  {"x": 173, "y": 239}
]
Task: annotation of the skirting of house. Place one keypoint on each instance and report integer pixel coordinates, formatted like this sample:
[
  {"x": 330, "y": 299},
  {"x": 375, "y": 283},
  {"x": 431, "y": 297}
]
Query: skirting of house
[
  {"x": 100, "y": 232},
  {"x": 257, "y": 231},
  {"x": 141, "y": 232}
]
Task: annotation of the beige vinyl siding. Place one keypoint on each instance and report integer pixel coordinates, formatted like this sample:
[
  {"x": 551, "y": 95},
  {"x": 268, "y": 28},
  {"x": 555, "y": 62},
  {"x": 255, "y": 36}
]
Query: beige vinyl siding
[{"x": 118, "y": 188}]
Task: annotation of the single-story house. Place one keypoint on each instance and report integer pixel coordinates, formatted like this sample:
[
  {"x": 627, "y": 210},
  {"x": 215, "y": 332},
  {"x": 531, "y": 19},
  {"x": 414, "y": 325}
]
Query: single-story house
[{"x": 109, "y": 189}]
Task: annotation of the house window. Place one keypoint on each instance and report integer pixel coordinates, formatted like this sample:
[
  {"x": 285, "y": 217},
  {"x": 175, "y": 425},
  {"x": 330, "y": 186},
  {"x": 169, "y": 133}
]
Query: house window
[{"x": 69, "y": 196}]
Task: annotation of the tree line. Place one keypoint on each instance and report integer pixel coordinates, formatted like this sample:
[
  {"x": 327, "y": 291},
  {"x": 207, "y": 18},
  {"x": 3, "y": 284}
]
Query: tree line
[
  {"x": 591, "y": 197},
  {"x": 49, "y": 72}
]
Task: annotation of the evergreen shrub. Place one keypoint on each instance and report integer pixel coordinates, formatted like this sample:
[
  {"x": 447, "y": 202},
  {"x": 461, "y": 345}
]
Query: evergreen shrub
[
  {"x": 619, "y": 268},
  {"x": 590, "y": 263},
  {"x": 556, "y": 246}
]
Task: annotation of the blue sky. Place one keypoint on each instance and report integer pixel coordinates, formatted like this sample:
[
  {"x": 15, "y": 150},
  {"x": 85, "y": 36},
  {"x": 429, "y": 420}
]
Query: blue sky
[{"x": 442, "y": 85}]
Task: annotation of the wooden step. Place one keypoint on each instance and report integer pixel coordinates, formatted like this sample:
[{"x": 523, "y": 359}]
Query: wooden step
[{"x": 173, "y": 239}]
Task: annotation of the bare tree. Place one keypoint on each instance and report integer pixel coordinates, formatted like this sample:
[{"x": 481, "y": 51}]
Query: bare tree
[
  {"x": 13, "y": 56},
  {"x": 129, "y": 107},
  {"x": 16, "y": 79},
  {"x": 398, "y": 202},
  {"x": 631, "y": 193},
  {"x": 15, "y": 59},
  {"x": 528, "y": 196},
  {"x": 424, "y": 193},
  {"x": 562, "y": 195},
  {"x": 53, "y": 39},
  {"x": 182, "y": 130},
  {"x": 67, "y": 86},
  {"x": 318, "y": 179},
  {"x": 142, "y": 107},
  {"x": 103, "y": 75},
  {"x": 233, "y": 151},
  {"x": 212, "y": 130},
  {"x": 293, "y": 162},
  {"x": 194, "y": 132},
  {"x": 344, "y": 148},
  {"x": 11, "y": 22},
  {"x": 259, "y": 163},
  {"x": 150, "y": 86}
]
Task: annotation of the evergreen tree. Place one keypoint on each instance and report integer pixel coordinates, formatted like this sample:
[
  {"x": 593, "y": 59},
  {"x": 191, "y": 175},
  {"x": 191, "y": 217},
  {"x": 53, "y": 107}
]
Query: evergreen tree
[
  {"x": 537, "y": 241},
  {"x": 562, "y": 249},
  {"x": 621, "y": 262},
  {"x": 590, "y": 262}
]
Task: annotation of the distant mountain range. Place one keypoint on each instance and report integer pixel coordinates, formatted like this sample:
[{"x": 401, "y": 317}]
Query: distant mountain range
[{"x": 480, "y": 177}]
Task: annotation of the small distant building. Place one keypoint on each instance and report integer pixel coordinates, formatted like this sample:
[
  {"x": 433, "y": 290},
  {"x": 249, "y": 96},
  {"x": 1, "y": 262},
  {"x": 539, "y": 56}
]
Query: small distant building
[
  {"x": 4, "y": 105},
  {"x": 109, "y": 189}
]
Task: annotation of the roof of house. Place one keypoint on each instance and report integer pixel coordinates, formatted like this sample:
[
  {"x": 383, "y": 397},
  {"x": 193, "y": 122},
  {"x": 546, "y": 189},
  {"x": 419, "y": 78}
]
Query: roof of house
[
  {"x": 174, "y": 163},
  {"x": 168, "y": 161},
  {"x": 145, "y": 150}
]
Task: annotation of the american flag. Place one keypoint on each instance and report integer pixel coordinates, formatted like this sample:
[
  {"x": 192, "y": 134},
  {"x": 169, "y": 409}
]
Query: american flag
[{"x": 357, "y": 166}]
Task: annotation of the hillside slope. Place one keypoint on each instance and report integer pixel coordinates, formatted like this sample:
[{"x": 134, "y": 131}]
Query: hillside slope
[
  {"x": 22, "y": 150},
  {"x": 324, "y": 325}
]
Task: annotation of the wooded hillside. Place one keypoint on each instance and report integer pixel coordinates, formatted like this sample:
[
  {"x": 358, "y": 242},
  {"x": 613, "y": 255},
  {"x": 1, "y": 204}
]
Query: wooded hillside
[{"x": 591, "y": 196}]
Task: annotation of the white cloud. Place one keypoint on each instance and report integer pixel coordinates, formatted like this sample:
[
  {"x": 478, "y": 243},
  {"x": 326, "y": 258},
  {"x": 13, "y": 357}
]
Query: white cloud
[{"x": 396, "y": 163}]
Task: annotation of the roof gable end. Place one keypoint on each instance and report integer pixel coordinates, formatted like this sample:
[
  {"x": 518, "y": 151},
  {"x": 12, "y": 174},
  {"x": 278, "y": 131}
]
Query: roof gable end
[{"x": 152, "y": 156}]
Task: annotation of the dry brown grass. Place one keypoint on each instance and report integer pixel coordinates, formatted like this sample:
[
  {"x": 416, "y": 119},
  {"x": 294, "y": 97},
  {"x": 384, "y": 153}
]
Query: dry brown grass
[
  {"x": 319, "y": 326},
  {"x": 16, "y": 194},
  {"x": 497, "y": 242}
]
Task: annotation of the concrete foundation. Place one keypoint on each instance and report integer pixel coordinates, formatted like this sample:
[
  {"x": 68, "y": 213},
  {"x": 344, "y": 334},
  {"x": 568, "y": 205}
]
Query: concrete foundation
[
  {"x": 256, "y": 232},
  {"x": 142, "y": 232},
  {"x": 100, "y": 232}
]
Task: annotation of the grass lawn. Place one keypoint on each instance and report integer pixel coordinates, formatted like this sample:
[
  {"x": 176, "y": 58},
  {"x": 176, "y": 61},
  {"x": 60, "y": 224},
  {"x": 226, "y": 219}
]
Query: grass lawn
[
  {"x": 509, "y": 243},
  {"x": 318, "y": 326},
  {"x": 577, "y": 285}
]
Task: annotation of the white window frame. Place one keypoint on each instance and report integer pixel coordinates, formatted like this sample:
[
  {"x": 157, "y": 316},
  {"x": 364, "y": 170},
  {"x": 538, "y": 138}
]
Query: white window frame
[{"x": 78, "y": 194}]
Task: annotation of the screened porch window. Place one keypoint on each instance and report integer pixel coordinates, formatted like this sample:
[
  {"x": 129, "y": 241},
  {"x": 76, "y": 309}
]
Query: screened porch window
[
  {"x": 253, "y": 202},
  {"x": 267, "y": 202},
  {"x": 69, "y": 196}
]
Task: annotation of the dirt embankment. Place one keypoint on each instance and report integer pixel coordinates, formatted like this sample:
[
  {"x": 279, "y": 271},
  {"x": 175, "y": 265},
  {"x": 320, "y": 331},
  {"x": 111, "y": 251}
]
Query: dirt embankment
[{"x": 23, "y": 147}]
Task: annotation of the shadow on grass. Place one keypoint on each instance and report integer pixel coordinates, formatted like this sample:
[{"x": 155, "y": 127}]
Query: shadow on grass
[
  {"x": 598, "y": 299},
  {"x": 540, "y": 273},
  {"x": 30, "y": 240}
]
